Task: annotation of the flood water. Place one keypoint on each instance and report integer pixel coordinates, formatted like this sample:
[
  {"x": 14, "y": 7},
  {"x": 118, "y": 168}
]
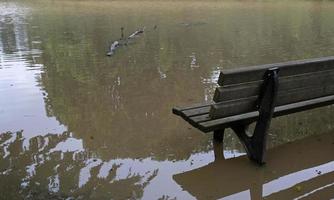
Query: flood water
[{"x": 77, "y": 124}]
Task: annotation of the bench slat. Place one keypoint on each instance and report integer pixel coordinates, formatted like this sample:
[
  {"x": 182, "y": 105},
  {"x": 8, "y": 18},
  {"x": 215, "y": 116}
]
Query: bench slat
[
  {"x": 303, "y": 85},
  {"x": 188, "y": 112},
  {"x": 180, "y": 110},
  {"x": 238, "y": 91},
  {"x": 201, "y": 118},
  {"x": 197, "y": 111},
  {"x": 255, "y": 73},
  {"x": 235, "y": 107},
  {"x": 197, "y": 105},
  {"x": 215, "y": 124}
]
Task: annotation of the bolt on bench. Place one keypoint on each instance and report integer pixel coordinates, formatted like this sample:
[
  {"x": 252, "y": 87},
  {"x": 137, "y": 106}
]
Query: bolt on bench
[{"x": 259, "y": 93}]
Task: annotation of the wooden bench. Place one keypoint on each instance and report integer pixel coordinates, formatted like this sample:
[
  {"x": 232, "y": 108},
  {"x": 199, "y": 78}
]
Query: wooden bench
[{"x": 259, "y": 93}]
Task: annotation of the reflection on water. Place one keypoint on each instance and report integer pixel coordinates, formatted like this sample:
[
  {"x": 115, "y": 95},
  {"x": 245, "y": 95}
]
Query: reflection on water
[
  {"x": 296, "y": 170},
  {"x": 22, "y": 99},
  {"x": 76, "y": 123},
  {"x": 57, "y": 165}
]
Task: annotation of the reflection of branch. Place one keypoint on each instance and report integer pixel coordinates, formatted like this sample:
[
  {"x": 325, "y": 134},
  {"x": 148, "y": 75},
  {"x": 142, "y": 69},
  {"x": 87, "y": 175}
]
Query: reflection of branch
[
  {"x": 49, "y": 166},
  {"x": 151, "y": 177}
]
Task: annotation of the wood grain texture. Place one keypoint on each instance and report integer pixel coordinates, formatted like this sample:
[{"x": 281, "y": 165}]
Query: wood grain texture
[
  {"x": 239, "y": 106},
  {"x": 255, "y": 73},
  {"x": 303, "y": 85},
  {"x": 288, "y": 83},
  {"x": 249, "y": 117}
]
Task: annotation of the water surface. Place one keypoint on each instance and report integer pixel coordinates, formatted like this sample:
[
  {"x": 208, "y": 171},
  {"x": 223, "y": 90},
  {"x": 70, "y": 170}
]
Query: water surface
[{"x": 77, "y": 124}]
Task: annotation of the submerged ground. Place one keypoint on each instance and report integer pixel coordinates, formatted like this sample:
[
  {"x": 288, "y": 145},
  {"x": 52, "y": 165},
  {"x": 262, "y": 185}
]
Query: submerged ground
[{"x": 76, "y": 124}]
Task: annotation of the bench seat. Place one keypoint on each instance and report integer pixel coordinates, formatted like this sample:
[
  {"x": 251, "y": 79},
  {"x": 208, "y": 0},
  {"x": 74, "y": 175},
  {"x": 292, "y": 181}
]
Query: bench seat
[{"x": 198, "y": 114}]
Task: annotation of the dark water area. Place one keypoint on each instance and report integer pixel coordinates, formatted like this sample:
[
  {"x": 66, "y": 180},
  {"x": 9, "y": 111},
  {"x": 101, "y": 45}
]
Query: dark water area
[{"x": 77, "y": 124}]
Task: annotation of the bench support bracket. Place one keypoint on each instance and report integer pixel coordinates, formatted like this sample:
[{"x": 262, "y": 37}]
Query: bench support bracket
[{"x": 255, "y": 145}]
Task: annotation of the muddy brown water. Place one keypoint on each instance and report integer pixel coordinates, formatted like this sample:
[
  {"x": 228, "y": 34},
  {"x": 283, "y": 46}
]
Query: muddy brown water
[{"x": 76, "y": 124}]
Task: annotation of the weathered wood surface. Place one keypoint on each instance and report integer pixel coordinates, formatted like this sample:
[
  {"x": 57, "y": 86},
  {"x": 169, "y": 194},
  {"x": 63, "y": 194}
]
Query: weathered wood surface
[
  {"x": 287, "y": 83},
  {"x": 180, "y": 110},
  {"x": 239, "y": 106},
  {"x": 213, "y": 124},
  {"x": 255, "y": 73},
  {"x": 260, "y": 93},
  {"x": 205, "y": 123},
  {"x": 303, "y": 85},
  {"x": 187, "y": 113},
  {"x": 242, "y": 97}
]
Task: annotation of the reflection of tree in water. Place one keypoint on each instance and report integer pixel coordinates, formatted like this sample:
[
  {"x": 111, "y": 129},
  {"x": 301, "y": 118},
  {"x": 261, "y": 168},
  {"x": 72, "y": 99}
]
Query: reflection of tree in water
[
  {"x": 13, "y": 28},
  {"x": 121, "y": 102},
  {"x": 56, "y": 166},
  {"x": 8, "y": 36}
]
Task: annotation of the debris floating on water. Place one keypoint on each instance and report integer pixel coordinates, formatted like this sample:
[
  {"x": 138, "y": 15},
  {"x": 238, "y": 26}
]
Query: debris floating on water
[
  {"x": 136, "y": 33},
  {"x": 113, "y": 48},
  {"x": 122, "y": 41}
]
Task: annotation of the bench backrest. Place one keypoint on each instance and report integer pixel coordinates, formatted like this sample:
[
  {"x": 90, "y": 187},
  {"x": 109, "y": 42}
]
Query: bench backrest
[{"x": 298, "y": 81}]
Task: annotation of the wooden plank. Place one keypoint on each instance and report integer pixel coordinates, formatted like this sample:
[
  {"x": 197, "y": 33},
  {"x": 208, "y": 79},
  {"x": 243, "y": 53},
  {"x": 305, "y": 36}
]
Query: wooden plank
[
  {"x": 234, "y": 107},
  {"x": 187, "y": 114},
  {"x": 255, "y": 73},
  {"x": 197, "y": 111},
  {"x": 244, "y": 90},
  {"x": 249, "y": 117},
  {"x": 192, "y": 106},
  {"x": 239, "y": 106},
  {"x": 226, "y": 122},
  {"x": 201, "y": 118},
  {"x": 179, "y": 110},
  {"x": 237, "y": 91}
]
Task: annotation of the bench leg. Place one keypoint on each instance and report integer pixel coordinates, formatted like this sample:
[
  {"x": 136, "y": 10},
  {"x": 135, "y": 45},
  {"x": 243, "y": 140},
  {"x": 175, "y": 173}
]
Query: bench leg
[
  {"x": 241, "y": 131},
  {"x": 218, "y": 135},
  {"x": 256, "y": 144},
  {"x": 218, "y": 140},
  {"x": 266, "y": 110}
]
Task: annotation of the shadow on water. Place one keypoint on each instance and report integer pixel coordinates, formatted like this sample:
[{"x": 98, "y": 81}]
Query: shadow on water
[{"x": 304, "y": 168}]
